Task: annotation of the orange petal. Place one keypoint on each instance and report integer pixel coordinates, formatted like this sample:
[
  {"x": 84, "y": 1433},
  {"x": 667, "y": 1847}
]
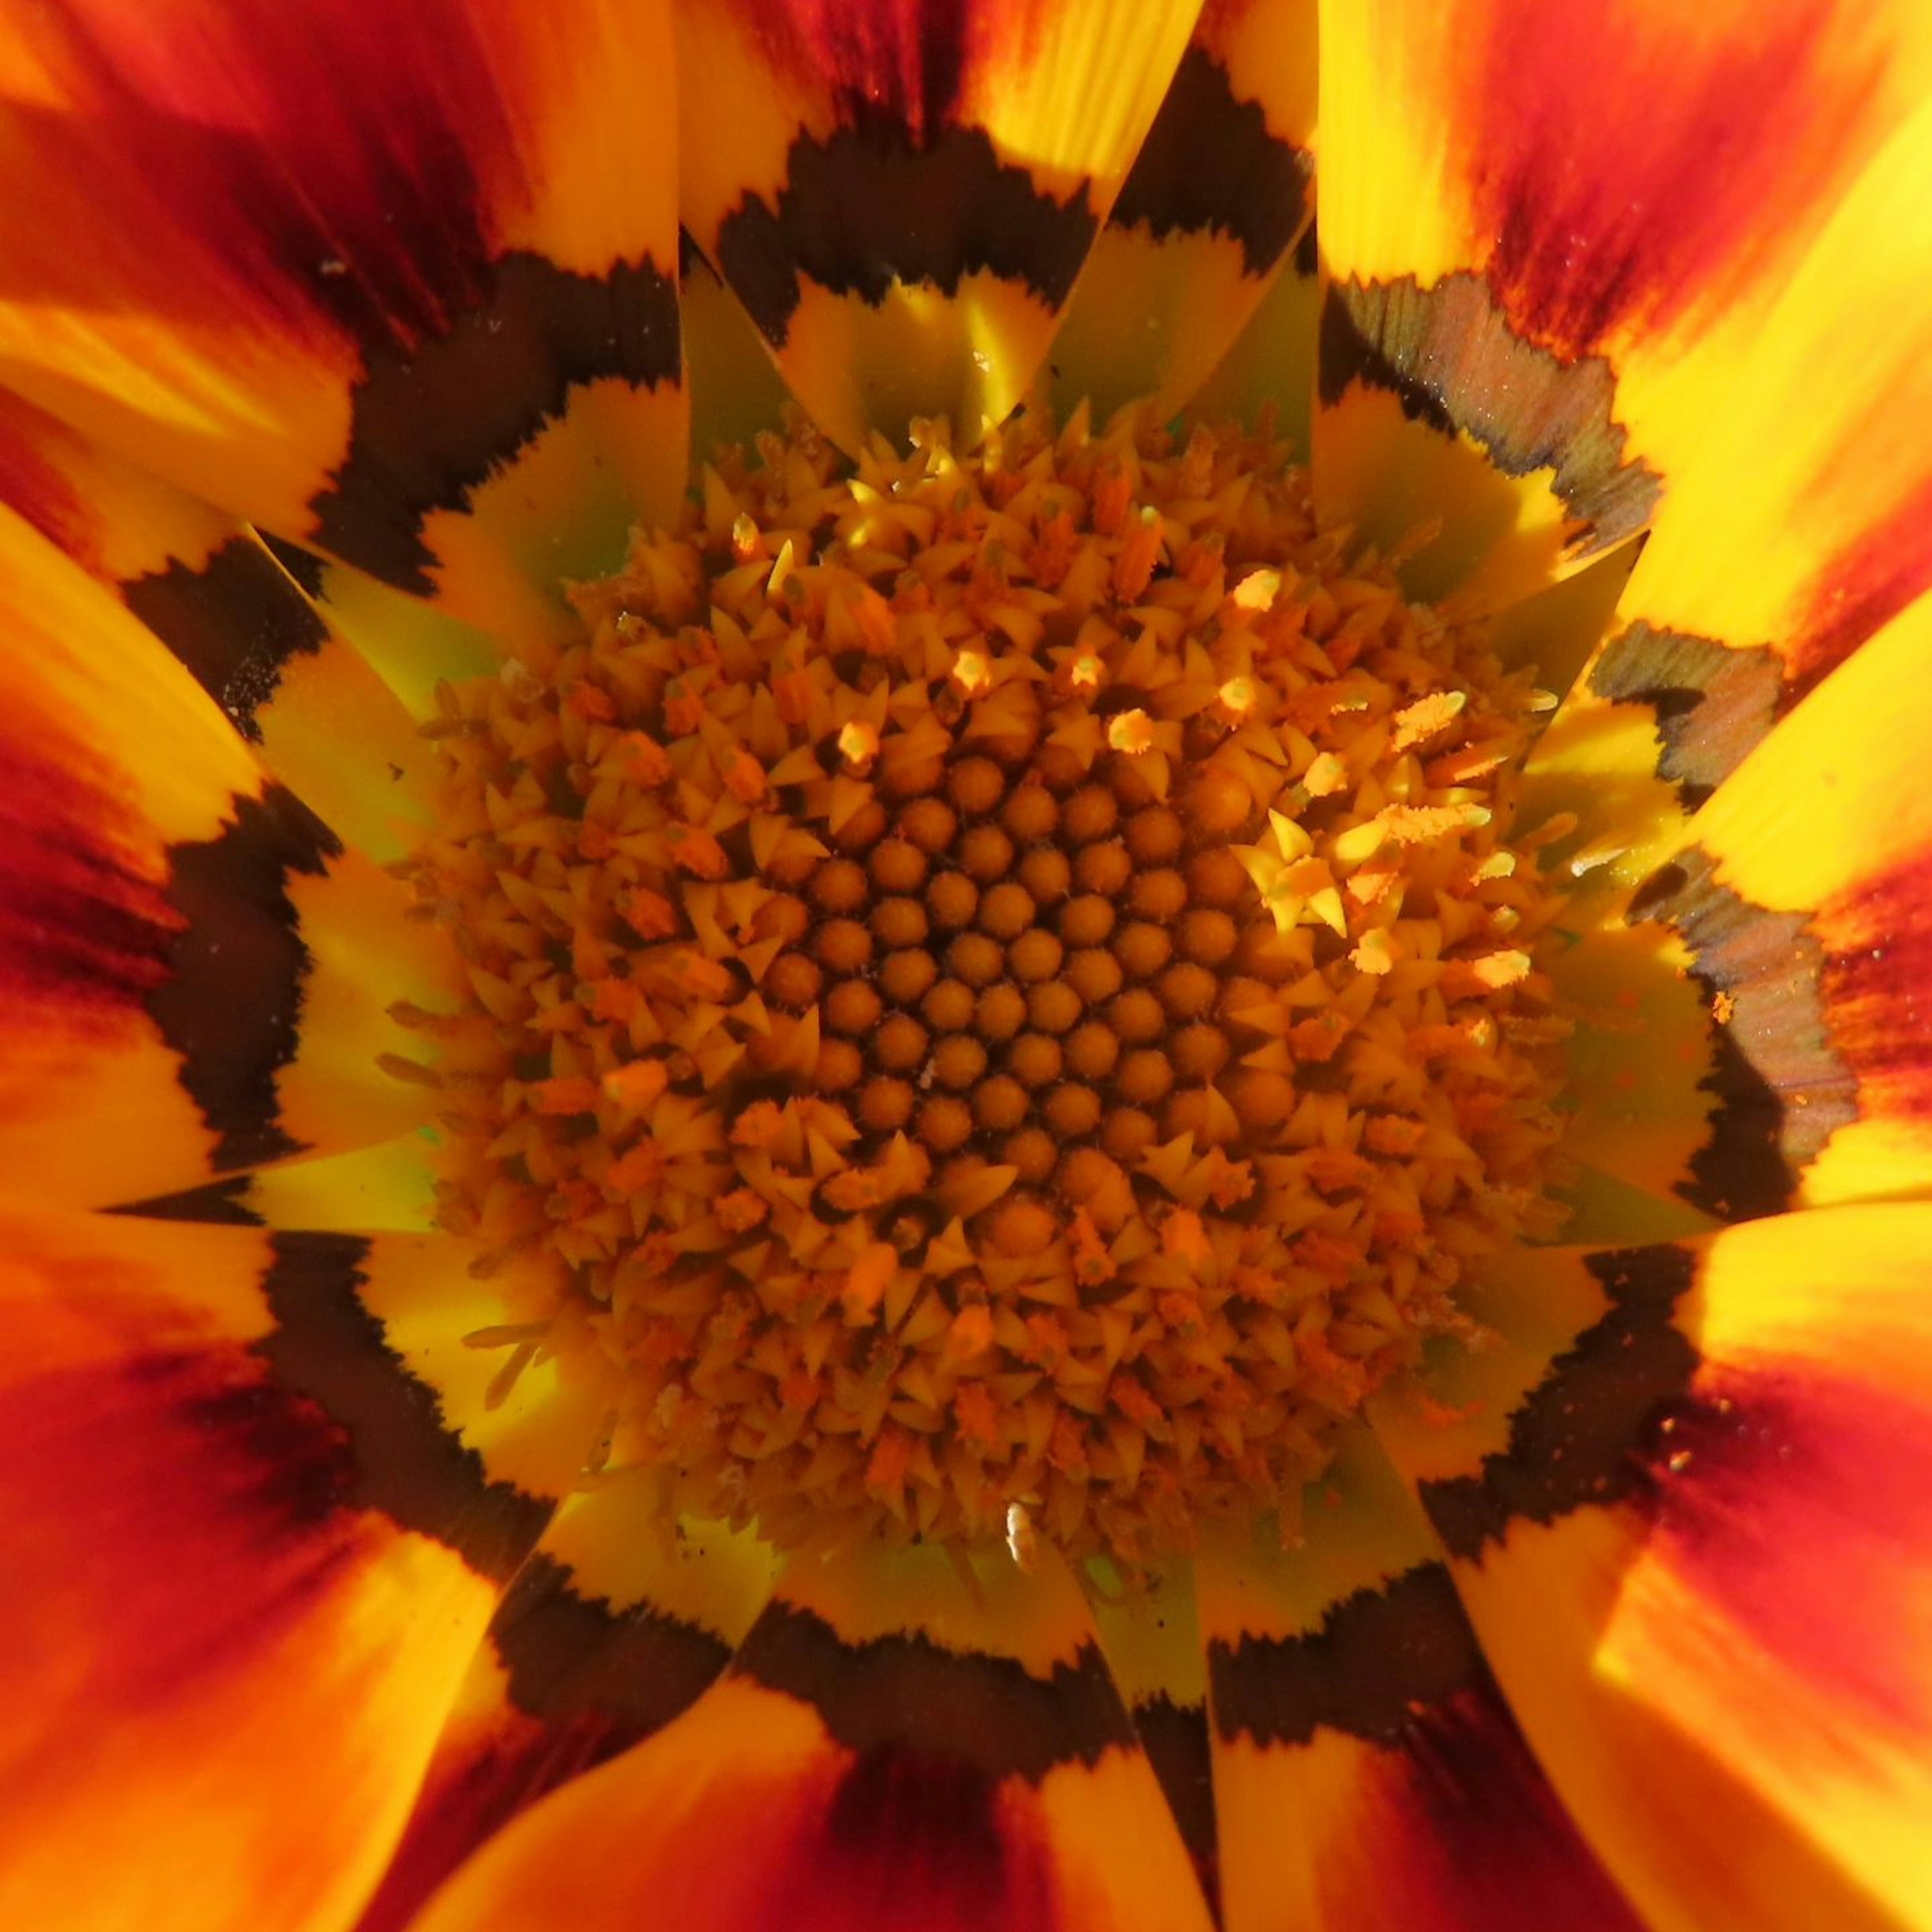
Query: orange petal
[
  {"x": 1220, "y": 191},
  {"x": 902, "y": 198},
  {"x": 325, "y": 725},
  {"x": 617, "y": 1625},
  {"x": 1366, "y": 1771},
  {"x": 427, "y": 321},
  {"x": 248, "y": 1570},
  {"x": 891, "y": 1744},
  {"x": 1685, "y": 1498},
  {"x": 195, "y": 974},
  {"x": 1539, "y": 284}
]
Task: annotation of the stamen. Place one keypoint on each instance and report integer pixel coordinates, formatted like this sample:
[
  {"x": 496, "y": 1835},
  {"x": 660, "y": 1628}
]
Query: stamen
[{"x": 1001, "y": 985}]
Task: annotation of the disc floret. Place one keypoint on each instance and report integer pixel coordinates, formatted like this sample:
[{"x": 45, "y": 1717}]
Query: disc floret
[{"x": 997, "y": 980}]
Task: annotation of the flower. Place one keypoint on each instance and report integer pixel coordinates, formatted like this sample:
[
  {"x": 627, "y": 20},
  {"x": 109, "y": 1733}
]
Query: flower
[{"x": 329, "y": 366}]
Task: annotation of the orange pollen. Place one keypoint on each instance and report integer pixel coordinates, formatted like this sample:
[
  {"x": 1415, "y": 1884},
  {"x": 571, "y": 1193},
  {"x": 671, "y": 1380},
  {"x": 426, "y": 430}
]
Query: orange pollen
[{"x": 1001, "y": 999}]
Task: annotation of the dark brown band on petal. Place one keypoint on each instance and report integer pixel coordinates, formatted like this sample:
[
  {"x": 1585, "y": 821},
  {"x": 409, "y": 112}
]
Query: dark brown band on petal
[
  {"x": 1781, "y": 1087},
  {"x": 1580, "y": 1437},
  {"x": 1307, "y": 258},
  {"x": 1712, "y": 703},
  {"x": 219, "y": 1203},
  {"x": 234, "y": 621},
  {"x": 1209, "y": 166},
  {"x": 1174, "y": 1737},
  {"x": 1381, "y": 1657},
  {"x": 570, "y": 1657},
  {"x": 430, "y": 424},
  {"x": 231, "y": 1005},
  {"x": 1450, "y": 357},
  {"x": 304, "y": 565},
  {"x": 401, "y": 1458},
  {"x": 908, "y": 1693},
  {"x": 866, "y": 209}
]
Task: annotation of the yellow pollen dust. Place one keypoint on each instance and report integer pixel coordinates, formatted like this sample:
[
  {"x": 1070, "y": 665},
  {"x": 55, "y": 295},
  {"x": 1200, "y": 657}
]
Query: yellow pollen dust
[{"x": 999, "y": 982}]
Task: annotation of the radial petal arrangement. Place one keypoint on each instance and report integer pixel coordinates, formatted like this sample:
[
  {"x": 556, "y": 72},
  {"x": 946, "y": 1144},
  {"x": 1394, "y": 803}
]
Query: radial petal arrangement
[{"x": 965, "y": 965}]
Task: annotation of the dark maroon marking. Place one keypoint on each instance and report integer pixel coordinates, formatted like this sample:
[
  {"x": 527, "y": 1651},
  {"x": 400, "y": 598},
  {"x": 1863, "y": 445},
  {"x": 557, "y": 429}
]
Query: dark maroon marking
[
  {"x": 1174, "y": 1737},
  {"x": 909, "y": 1838},
  {"x": 199, "y": 1488},
  {"x": 218, "y": 1203},
  {"x": 1452, "y": 359},
  {"x": 464, "y": 1804},
  {"x": 1798, "y": 1501},
  {"x": 1863, "y": 588},
  {"x": 906, "y": 1692},
  {"x": 363, "y": 214},
  {"x": 231, "y": 1004},
  {"x": 1503, "y": 1851},
  {"x": 1654, "y": 167},
  {"x": 867, "y": 207},
  {"x": 79, "y": 926},
  {"x": 234, "y": 622},
  {"x": 1781, "y": 1087},
  {"x": 905, "y": 64},
  {"x": 38, "y": 489},
  {"x": 1209, "y": 166},
  {"x": 431, "y": 423},
  {"x": 401, "y": 1458},
  {"x": 585, "y": 1682},
  {"x": 1877, "y": 988},
  {"x": 1381, "y": 1657},
  {"x": 1713, "y": 702},
  {"x": 1579, "y": 1438}
]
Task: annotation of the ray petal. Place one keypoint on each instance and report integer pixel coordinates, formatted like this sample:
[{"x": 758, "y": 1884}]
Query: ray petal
[
  {"x": 247, "y": 1572},
  {"x": 616, "y": 1625},
  {"x": 901, "y": 193},
  {"x": 1773, "y": 960},
  {"x": 1684, "y": 1499},
  {"x": 196, "y": 972},
  {"x": 1222, "y": 188},
  {"x": 1538, "y": 284},
  {"x": 420, "y": 310},
  {"x": 324, "y": 724},
  {"x": 1366, "y": 1771},
  {"x": 892, "y": 1742}
]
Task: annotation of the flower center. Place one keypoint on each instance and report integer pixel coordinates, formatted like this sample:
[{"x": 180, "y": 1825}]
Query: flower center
[{"x": 1000, "y": 982}]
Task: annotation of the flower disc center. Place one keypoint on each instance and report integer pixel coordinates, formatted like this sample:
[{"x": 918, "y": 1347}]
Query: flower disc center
[{"x": 1000, "y": 982}]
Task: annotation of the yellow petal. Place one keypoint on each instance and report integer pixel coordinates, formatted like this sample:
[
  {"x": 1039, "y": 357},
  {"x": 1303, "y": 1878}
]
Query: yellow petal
[{"x": 902, "y": 204}]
